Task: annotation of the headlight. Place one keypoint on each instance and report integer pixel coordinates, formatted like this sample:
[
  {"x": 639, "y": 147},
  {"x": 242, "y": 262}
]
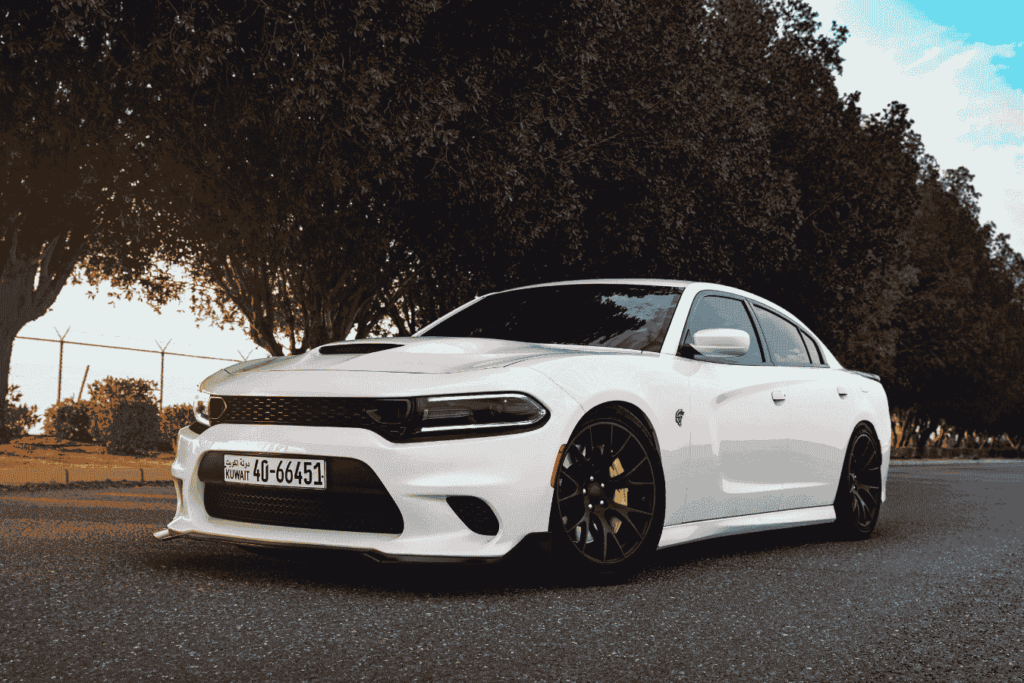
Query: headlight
[
  {"x": 440, "y": 415},
  {"x": 206, "y": 405}
]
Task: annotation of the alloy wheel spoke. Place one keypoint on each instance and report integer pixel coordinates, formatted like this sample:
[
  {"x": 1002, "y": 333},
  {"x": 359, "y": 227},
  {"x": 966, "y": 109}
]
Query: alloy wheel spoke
[
  {"x": 584, "y": 528},
  {"x": 627, "y": 475},
  {"x": 574, "y": 494},
  {"x": 604, "y": 541},
  {"x": 582, "y": 518},
  {"x": 626, "y": 510},
  {"x": 617, "y": 452},
  {"x": 859, "y": 449},
  {"x": 562, "y": 472},
  {"x": 626, "y": 517},
  {"x": 618, "y": 543}
]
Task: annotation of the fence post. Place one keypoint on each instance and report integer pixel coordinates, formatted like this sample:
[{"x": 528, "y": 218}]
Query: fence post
[
  {"x": 82, "y": 388},
  {"x": 163, "y": 349},
  {"x": 60, "y": 363}
]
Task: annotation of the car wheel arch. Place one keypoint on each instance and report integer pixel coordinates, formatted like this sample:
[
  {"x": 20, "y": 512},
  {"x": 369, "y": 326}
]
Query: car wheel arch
[{"x": 632, "y": 409}]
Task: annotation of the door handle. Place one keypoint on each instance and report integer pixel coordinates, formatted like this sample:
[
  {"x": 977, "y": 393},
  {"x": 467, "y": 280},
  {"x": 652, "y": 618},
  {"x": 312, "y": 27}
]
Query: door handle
[
  {"x": 778, "y": 395},
  {"x": 842, "y": 391}
]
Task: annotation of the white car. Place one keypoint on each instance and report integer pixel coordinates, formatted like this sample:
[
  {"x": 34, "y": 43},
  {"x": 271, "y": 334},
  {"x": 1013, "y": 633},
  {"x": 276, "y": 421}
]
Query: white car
[{"x": 598, "y": 419}]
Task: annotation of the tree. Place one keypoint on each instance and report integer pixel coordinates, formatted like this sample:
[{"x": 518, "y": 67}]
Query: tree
[
  {"x": 472, "y": 145},
  {"x": 75, "y": 172},
  {"x": 350, "y": 165},
  {"x": 960, "y": 352}
]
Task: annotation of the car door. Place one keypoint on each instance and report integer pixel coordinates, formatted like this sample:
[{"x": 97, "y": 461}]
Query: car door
[
  {"x": 819, "y": 419},
  {"x": 739, "y": 434}
]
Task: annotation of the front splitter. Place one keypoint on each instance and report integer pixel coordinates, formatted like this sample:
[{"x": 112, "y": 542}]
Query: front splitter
[{"x": 536, "y": 543}]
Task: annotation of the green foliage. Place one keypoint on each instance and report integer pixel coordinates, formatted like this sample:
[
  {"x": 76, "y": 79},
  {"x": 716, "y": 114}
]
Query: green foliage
[
  {"x": 106, "y": 398},
  {"x": 118, "y": 388},
  {"x": 960, "y": 352},
  {"x": 132, "y": 428},
  {"x": 69, "y": 419},
  {"x": 82, "y": 177},
  {"x": 172, "y": 419},
  {"x": 17, "y": 418},
  {"x": 414, "y": 154}
]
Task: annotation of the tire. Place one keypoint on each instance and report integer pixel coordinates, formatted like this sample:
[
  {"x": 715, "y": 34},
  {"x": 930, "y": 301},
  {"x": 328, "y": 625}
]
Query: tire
[
  {"x": 859, "y": 497},
  {"x": 608, "y": 508}
]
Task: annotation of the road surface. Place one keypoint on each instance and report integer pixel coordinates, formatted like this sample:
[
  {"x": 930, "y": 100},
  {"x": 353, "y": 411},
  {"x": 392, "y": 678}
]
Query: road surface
[{"x": 86, "y": 594}]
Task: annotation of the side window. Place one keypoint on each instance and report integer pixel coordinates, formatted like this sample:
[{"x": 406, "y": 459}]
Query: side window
[
  {"x": 712, "y": 312},
  {"x": 783, "y": 338},
  {"x": 812, "y": 346}
]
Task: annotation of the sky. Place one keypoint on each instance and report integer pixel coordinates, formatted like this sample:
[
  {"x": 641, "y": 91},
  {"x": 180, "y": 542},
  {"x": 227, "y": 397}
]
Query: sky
[{"x": 958, "y": 66}]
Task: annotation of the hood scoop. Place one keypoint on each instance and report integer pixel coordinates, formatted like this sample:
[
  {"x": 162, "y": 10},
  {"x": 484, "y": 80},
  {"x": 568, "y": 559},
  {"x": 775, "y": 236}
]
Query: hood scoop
[{"x": 355, "y": 349}]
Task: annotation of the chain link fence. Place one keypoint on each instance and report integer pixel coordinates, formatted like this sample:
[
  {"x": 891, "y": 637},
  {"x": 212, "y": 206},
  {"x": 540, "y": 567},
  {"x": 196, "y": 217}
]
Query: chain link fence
[{"x": 48, "y": 370}]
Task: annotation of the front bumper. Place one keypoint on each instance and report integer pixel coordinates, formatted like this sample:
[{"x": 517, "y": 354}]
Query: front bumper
[{"x": 510, "y": 473}]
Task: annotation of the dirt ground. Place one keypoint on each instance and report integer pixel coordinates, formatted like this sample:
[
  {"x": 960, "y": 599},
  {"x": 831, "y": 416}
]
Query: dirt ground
[{"x": 51, "y": 451}]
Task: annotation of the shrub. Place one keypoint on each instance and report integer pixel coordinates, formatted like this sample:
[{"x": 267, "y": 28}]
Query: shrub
[
  {"x": 110, "y": 388},
  {"x": 133, "y": 427},
  {"x": 128, "y": 430},
  {"x": 68, "y": 419},
  {"x": 18, "y": 419},
  {"x": 173, "y": 418}
]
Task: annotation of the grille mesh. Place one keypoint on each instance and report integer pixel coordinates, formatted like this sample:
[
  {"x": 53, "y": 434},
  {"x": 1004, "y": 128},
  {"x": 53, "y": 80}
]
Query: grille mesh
[
  {"x": 303, "y": 411},
  {"x": 373, "y": 513}
]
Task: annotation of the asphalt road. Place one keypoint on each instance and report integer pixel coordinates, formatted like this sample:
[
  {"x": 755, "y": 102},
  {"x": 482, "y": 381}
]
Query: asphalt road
[{"x": 87, "y": 594}]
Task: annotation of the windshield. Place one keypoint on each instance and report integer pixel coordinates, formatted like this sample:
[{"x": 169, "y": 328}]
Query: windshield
[{"x": 619, "y": 316}]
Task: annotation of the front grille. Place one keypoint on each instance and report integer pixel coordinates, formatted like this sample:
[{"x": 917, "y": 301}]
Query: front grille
[
  {"x": 355, "y": 499},
  {"x": 372, "y": 513},
  {"x": 306, "y": 411}
]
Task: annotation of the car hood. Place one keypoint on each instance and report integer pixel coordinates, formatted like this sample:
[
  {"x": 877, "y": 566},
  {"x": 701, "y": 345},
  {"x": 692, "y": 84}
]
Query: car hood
[{"x": 418, "y": 355}]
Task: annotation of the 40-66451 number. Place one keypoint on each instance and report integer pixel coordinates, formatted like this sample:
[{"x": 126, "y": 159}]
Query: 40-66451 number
[{"x": 299, "y": 473}]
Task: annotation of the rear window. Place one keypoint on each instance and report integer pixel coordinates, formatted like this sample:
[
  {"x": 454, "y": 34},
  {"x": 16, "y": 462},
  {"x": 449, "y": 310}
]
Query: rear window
[
  {"x": 812, "y": 346},
  {"x": 783, "y": 338},
  {"x": 620, "y": 316}
]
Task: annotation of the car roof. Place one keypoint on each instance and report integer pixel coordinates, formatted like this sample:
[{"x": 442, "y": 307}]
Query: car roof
[{"x": 605, "y": 281}]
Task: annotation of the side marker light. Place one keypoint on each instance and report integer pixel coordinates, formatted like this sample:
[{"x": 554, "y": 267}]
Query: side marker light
[{"x": 558, "y": 461}]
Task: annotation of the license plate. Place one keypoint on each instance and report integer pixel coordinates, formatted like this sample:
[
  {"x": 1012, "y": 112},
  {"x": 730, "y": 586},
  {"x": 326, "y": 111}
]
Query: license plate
[{"x": 297, "y": 473}]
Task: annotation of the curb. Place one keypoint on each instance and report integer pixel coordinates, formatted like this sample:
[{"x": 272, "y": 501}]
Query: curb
[
  {"x": 950, "y": 461},
  {"x": 67, "y": 475}
]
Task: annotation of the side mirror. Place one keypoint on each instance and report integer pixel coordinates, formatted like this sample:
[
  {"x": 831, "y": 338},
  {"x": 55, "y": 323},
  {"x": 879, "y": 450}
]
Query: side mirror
[{"x": 721, "y": 343}]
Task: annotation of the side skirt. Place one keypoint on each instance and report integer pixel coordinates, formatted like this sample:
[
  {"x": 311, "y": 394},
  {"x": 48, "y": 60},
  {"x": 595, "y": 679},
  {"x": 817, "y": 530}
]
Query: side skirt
[{"x": 678, "y": 534}]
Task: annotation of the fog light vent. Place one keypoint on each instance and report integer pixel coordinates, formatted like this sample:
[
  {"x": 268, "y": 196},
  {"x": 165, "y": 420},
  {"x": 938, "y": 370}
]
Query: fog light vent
[{"x": 475, "y": 514}]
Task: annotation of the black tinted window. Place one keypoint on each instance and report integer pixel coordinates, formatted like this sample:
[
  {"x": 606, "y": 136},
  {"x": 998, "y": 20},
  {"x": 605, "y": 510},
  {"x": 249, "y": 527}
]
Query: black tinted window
[
  {"x": 713, "y": 312},
  {"x": 812, "y": 346},
  {"x": 622, "y": 316},
  {"x": 783, "y": 338}
]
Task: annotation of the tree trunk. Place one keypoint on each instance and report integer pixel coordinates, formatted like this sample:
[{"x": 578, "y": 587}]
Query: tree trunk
[
  {"x": 927, "y": 426},
  {"x": 31, "y": 278},
  {"x": 6, "y": 348}
]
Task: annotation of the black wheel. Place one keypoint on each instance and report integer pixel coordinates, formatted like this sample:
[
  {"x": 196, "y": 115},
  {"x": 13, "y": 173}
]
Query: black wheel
[
  {"x": 859, "y": 498},
  {"x": 609, "y": 500}
]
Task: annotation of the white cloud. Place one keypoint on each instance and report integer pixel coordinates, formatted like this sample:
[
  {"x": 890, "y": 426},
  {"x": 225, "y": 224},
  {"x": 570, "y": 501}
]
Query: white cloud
[{"x": 965, "y": 111}]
